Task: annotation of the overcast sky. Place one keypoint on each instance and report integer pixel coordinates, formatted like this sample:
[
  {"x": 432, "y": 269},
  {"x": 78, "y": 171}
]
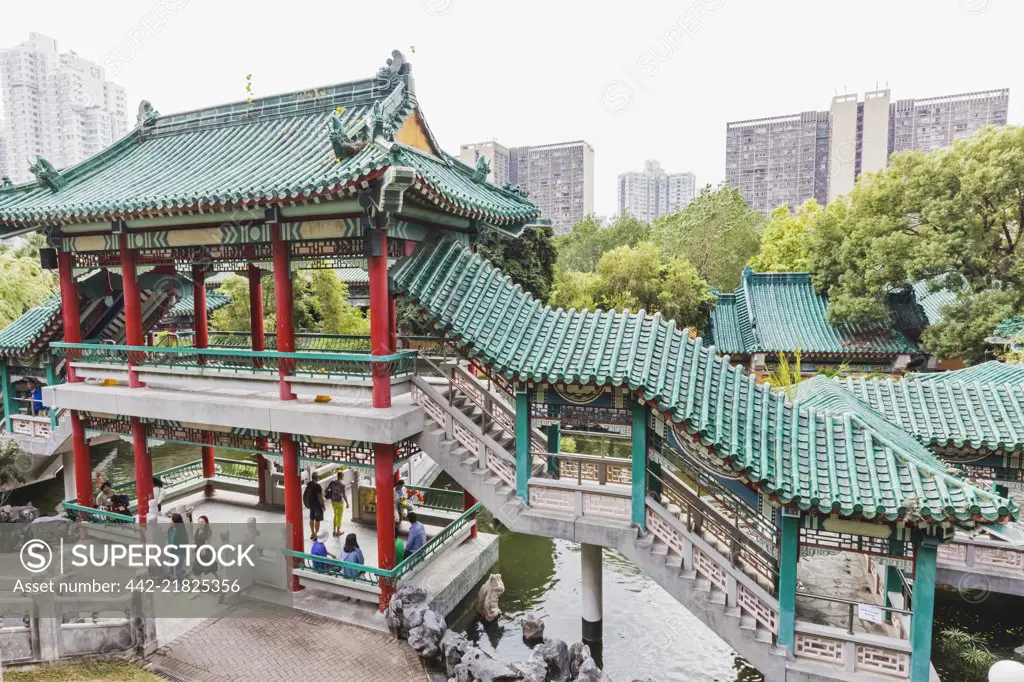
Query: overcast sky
[{"x": 640, "y": 79}]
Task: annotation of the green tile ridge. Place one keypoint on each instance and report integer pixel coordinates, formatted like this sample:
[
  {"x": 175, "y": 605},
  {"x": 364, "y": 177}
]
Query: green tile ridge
[{"x": 823, "y": 461}]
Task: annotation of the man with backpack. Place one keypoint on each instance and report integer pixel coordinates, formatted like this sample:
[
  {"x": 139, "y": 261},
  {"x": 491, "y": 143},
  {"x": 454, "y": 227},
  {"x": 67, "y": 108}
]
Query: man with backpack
[{"x": 313, "y": 498}]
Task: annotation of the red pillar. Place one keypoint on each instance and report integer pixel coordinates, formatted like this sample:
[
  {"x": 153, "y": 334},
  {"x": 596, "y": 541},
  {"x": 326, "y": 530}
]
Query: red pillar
[
  {"x": 209, "y": 466},
  {"x": 384, "y": 458},
  {"x": 261, "y": 470},
  {"x": 293, "y": 499},
  {"x": 200, "y": 324},
  {"x": 132, "y": 305},
  {"x": 283, "y": 302},
  {"x": 69, "y": 305},
  {"x": 143, "y": 468},
  {"x": 256, "y": 307},
  {"x": 380, "y": 323},
  {"x": 83, "y": 464},
  {"x": 467, "y": 503},
  {"x": 394, "y": 327},
  {"x": 73, "y": 334}
]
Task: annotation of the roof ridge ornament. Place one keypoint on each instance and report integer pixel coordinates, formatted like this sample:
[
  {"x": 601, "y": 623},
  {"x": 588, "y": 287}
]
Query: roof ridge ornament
[
  {"x": 482, "y": 169},
  {"x": 6, "y": 182},
  {"x": 345, "y": 145},
  {"x": 147, "y": 114},
  {"x": 378, "y": 125},
  {"x": 390, "y": 75},
  {"x": 46, "y": 174}
]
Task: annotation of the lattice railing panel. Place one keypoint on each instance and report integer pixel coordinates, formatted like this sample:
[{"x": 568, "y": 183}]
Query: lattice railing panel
[
  {"x": 762, "y": 612},
  {"x": 884, "y": 661},
  {"x": 706, "y": 566},
  {"x": 819, "y": 648}
]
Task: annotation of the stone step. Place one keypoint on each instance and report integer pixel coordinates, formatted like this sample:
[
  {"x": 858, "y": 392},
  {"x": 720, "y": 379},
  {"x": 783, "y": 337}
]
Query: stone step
[
  {"x": 674, "y": 560},
  {"x": 763, "y": 635},
  {"x": 659, "y": 548},
  {"x": 748, "y": 622}
]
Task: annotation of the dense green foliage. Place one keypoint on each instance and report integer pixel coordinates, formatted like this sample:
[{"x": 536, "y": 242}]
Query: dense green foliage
[
  {"x": 785, "y": 241},
  {"x": 580, "y": 249},
  {"x": 716, "y": 232},
  {"x": 528, "y": 260},
  {"x": 23, "y": 282},
  {"x": 952, "y": 217}
]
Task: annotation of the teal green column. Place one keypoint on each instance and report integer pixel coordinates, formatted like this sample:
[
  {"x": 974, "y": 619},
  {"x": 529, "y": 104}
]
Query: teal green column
[
  {"x": 639, "y": 437},
  {"x": 893, "y": 582},
  {"x": 555, "y": 446},
  {"x": 923, "y": 603},
  {"x": 51, "y": 380},
  {"x": 789, "y": 552},
  {"x": 523, "y": 468},
  {"x": 5, "y": 380}
]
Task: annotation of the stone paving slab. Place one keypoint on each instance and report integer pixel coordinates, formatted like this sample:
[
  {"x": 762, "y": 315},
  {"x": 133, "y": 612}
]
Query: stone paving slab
[{"x": 258, "y": 643}]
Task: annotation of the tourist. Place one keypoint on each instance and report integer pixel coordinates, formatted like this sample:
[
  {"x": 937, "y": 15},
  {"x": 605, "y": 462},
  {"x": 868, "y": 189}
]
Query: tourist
[
  {"x": 336, "y": 494},
  {"x": 314, "y": 500},
  {"x": 177, "y": 539},
  {"x": 353, "y": 555},
  {"x": 417, "y": 534},
  {"x": 37, "y": 399},
  {"x": 399, "y": 550},
  {"x": 349, "y": 479},
  {"x": 105, "y": 495},
  {"x": 304, "y": 475},
  {"x": 320, "y": 549},
  {"x": 158, "y": 493},
  {"x": 202, "y": 537}
]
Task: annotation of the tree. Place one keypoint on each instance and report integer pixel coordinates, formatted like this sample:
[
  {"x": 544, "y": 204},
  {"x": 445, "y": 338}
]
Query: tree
[
  {"x": 12, "y": 471},
  {"x": 716, "y": 232},
  {"x": 952, "y": 217},
  {"x": 529, "y": 259},
  {"x": 582, "y": 247},
  {"x": 23, "y": 285},
  {"x": 234, "y": 317},
  {"x": 632, "y": 275},
  {"x": 332, "y": 312},
  {"x": 573, "y": 289},
  {"x": 684, "y": 296},
  {"x": 785, "y": 241}
]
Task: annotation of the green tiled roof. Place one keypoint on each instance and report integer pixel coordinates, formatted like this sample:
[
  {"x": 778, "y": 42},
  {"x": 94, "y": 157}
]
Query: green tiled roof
[
  {"x": 781, "y": 312},
  {"x": 272, "y": 150},
  {"x": 973, "y": 413},
  {"x": 932, "y": 302},
  {"x": 26, "y": 331},
  {"x": 992, "y": 371},
  {"x": 823, "y": 460},
  {"x": 1010, "y": 328},
  {"x": 353, "y": 275},
  {"x": 185, "y": 307}
]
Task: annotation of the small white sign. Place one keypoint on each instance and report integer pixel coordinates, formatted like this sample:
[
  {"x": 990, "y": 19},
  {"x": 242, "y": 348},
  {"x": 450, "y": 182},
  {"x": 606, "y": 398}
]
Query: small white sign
[{"x": 870, "y": 613}]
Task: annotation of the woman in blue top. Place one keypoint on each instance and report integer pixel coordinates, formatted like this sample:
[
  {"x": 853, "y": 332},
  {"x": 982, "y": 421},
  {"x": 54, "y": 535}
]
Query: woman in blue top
[
  {"x": 352, "y": 554},
  {"x": 320, "y": 549}
]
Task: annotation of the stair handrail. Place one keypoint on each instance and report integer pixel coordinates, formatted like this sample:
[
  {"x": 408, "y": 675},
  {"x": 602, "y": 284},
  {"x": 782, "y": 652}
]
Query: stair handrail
[
  {"x": 537, "y": 436},
  {"x": 447, "y": 377}
]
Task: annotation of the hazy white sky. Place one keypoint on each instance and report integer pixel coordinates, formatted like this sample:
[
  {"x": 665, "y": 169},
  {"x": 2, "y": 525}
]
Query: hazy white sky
[{"x": 640, "y": 79}]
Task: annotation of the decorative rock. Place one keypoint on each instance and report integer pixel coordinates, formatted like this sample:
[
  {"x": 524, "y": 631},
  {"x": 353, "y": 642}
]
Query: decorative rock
[
  {"x": 533, "y": 628},
  {"x": 486, "y": 603},
  {"x": 477, "y": 666},
  {"x": 412, "y": 616},
  {"x": 1018, "y": 654},
  {"x": 453, "y": 647},
  {"x": 555, "y": 654},
  {"x": 578, "y": 653},
  {"x": 411, "y": 594},
  {"x": 425, "y": 639},
  {"x": 588, "y": 672},
  {"x": 533, "y": 670},
  {"x": 393, "y": 618}
]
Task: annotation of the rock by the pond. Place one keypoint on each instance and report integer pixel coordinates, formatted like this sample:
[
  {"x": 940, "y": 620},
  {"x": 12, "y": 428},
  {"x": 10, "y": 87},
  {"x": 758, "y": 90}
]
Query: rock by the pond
[
  {"x": 578, "y": 652},
  {"x": 453, "y": 646},
  {"x": 588, "y": 672},
  {"x": 555, "y": 654},
  {"x": 477, "y": 666},
  {"x": 533, "y": 627},
  {"x": 425, "y": 638},
  {"x": 411, "y": 594},
  {"x": 393, "y": 618},
  {"x": 412, "y": 616},
  {"x": 533, "y": 670},
  {"x": 486, "y": 603}
]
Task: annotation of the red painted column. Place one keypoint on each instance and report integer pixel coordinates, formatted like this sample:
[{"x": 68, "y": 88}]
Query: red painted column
[
  {"x": 143, "y": 467},
  {"x": 384, "y": 462},
  {"x": 394, "y": 327},
  {"x": 283, "y": 303},
  {"x": 380, "y": 323},
  {"x": 132, "y": 306},
  {"x": 256, "y": 307},
  {"x": 467, "y": 503},
  {"x": 261, "y": 470},
  {"x": 293, "y": 499},
  {"x": 209, "y": 465},
  {"x": 83, "y": 462},
  {"x": 69, "y": 305},
  {"x": 200, "y": 325}
]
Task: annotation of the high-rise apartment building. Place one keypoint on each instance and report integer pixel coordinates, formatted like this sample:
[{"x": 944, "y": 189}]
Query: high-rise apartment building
[
  {"x": 778, "y": 160},
  {"x": 936, "y": 122},
  {"x": 652, "y": 192},
  {"x": 559, "y": 179},
  {"x": 770, "y": 160},
  {"x": 497, "y": 156},
  {"x": 57, "y": 105}
]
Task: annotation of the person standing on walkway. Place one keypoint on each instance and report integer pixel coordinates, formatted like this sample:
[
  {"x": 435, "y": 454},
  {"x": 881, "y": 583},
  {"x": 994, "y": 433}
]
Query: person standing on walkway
[
  {"x": 177, "y": 539},
  {"x": 314, "y": 499},
  {"x": 417, "y": 534},
  {"x": 336, "y": 494}
]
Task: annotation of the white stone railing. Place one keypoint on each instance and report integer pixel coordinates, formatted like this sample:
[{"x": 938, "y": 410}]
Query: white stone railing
[
  {"x": 852, "y": 653},
  {"x": 982, "y": 555},
  {"x": 606, "y": 502},
  {"x": 32, "y": 426},
  {"x": 592, "y": 468},
  {"x": 496, "y": 410}
]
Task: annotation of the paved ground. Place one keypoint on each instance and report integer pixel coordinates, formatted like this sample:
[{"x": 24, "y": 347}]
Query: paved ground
[{"x": 258, "y": 644}]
